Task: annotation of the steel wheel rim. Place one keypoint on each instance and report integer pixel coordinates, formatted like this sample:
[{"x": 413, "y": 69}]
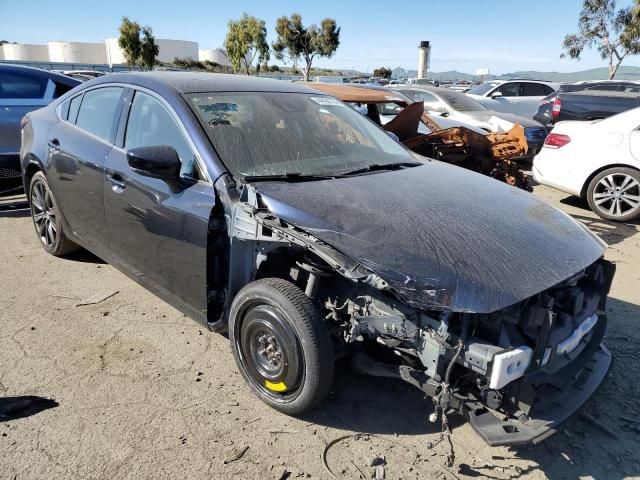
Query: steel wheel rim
[
  {"x": 44, "y": 214},
  {"x": 617, "y": 195},
  {"x": 270, "y": 352}
]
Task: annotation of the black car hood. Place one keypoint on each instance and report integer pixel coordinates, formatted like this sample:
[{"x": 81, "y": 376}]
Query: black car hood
[{"x": 442, "y": 237}]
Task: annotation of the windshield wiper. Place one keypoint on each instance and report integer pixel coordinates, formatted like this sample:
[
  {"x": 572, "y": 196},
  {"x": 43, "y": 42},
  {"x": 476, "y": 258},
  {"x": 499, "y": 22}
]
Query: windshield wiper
[
  {"x": 287, "y": 177},
  {"x": 378, "y": 167}
]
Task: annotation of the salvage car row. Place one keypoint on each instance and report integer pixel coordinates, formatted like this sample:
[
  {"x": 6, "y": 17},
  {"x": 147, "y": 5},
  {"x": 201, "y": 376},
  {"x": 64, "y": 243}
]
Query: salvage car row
[{"x": 309, "y": 231}]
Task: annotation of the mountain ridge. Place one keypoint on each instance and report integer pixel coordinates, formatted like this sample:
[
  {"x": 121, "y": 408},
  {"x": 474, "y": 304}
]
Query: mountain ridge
[{"x": 624, "y": 73}]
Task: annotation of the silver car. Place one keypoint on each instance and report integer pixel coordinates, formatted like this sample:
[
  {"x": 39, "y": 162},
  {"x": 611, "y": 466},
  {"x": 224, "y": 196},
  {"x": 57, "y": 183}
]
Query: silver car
[{"x": 458, "y": 107}]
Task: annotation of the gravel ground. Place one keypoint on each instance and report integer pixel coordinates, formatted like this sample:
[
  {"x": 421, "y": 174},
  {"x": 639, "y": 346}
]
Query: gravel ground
[{"x": 142, "y": 392}]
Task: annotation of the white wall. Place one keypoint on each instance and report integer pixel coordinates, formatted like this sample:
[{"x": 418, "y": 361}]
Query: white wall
[
  {"x": 77, "y": 52},
  {"x": 170, "y": 49},
  {"x": 1, "y": 52},
  {"x": 216, "y": 55},
  {"x": 113, "y": 52},
  {"x": 25, "y": 52}
]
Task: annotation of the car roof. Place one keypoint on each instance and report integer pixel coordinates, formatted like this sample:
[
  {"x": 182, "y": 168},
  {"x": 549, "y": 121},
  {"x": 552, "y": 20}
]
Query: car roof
[
  {"x": 200, "y": 82},
  {"x": 14, "y": 68}
]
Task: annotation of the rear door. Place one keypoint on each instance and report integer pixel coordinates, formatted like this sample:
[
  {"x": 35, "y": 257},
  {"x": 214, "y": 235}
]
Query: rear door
[
  {"x": 78, "y": 147},
  {"x": 530, "y": 94},
  {"x": 158, "y": 230}
]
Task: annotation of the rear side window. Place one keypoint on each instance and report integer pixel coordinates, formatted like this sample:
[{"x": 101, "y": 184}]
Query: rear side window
[
  {"x": 21, "y": 86},
  {"x": 97, "y": 111},
  {"x": 535, "y": 90}
]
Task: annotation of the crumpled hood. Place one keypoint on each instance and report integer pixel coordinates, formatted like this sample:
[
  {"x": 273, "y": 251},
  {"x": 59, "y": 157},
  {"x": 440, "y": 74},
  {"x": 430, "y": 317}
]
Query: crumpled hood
[{"x": 441, "y": 236}]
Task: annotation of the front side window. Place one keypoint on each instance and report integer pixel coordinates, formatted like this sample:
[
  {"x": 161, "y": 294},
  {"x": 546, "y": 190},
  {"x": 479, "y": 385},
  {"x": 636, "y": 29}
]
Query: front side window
[
  {"x": 461, "y": 102},
  {"x": 97, "y": 111},
  {"x": 269, "y": 133},
  {"x": 21, "y": 86},
  {"x": 508, "y": 89},
  {"x": 151, "y": 124},
  {"x": 483, "y": 88}
]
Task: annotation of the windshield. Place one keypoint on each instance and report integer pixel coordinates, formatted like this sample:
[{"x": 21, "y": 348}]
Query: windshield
[
  {"x": 484, "y": 88},
  {"x": 460, "y": 102},
  {"x": 268, "y": 133}
]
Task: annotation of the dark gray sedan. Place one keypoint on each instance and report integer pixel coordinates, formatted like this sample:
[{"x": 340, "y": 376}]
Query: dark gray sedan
[
  {"x": 282, "y": 216},
  {"x": 23, "y": 89}
]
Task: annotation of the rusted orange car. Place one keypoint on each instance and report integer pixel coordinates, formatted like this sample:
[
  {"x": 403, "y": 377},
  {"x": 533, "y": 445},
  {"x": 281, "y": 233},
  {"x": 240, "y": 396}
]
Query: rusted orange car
[{"x": 490, "y": 154}]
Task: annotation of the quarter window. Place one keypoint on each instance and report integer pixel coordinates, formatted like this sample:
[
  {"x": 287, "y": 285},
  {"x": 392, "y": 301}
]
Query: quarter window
[
  {"x": 97, "y": 111},
  {"x": 74, "y": 106},
  {"x": 151, "y": 124},
  {"x": 22, "y": 86}
]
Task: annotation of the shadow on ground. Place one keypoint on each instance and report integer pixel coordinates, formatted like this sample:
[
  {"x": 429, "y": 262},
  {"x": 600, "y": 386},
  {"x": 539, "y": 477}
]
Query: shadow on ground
[
  {"x": 376, "y": 405},
  {"x": 12, "y": 408},
  {"x": 610, "y": 232},
  {"x": 14, "y": 207}
]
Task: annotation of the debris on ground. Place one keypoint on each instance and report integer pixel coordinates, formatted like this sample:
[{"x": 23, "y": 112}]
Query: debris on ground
[
  {"x": 97, "y": 298},
  {"x": 236, "y": 454}
]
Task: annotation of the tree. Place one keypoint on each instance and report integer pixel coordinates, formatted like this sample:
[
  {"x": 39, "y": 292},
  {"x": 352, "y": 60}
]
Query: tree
[
  {"x": 148, "y": 49},
  {"x": 129, "y": 41},
  {"x": 138, "y": 44},
  {"x": 382, "y": 72},
  {"x": 246, "y": 41},
  {"x": 296, "y": 41},
  {"x": 614, "y": 33}
]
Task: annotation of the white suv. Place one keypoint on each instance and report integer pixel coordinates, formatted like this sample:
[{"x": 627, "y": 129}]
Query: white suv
[{"x": 513, "y": 96}]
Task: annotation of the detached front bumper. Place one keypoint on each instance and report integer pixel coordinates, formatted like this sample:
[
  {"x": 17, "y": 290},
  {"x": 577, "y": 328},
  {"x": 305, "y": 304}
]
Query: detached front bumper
[{"x": 558, "y": 397}]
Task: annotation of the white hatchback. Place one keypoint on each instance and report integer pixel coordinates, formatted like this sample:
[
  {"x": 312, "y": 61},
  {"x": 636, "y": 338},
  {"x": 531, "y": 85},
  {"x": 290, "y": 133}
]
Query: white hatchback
[
  {"x": 598, "y": 161},
  {"x": 520, "y": 97}
]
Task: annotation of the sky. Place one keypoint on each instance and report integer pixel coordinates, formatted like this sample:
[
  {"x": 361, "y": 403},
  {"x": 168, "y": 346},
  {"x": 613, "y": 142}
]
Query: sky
[{"x": 501, "y": 35}]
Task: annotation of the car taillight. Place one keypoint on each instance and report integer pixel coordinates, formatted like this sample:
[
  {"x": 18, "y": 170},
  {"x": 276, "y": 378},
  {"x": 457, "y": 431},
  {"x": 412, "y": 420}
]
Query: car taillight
[
  {"x": 556, "y": 140},
  {"x": 557, "y": 106}
]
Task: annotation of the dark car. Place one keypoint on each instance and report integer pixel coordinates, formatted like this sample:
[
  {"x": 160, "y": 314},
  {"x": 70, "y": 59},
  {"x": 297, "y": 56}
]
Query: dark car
[
  {"x": 588, "y": 101},
  {"x": 22, "y": 89},
  {"x": 283, "y": 216}
]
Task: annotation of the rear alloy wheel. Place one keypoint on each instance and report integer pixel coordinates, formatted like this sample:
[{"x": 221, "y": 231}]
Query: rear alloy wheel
[
  {"x": 281, "y": 345},
  {"x": 614, "y": 194},
  {"x": 46, "y": 217}
]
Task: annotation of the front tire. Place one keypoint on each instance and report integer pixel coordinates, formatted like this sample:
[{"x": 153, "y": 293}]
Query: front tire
[
  {"x": 614, "y": 194},
  {"x": 281, "y": 345},
  {"x": 47, "y": 219}
]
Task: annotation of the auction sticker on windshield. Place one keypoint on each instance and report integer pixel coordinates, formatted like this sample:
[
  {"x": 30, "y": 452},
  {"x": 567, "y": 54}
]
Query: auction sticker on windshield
[{"x": 327, "y": 101}]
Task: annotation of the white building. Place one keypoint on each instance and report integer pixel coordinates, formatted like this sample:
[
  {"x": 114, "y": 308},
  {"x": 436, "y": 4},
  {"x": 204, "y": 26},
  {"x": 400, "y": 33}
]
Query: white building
[
  {"x": 113, "y": 52},
  {"x": 168, "y": 50},
  {"x": 77, "y": 52},
  {"x": 25, "y": 52},
  {"x": 216, "y": 55}
]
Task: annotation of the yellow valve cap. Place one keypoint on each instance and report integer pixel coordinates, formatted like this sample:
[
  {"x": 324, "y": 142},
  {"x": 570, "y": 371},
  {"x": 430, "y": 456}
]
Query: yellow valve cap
[{"x": 275, "y": 387}]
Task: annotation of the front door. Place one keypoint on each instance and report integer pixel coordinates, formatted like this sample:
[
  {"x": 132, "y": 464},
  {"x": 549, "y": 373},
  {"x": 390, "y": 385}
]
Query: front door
[{"x": 158, "y": 230}]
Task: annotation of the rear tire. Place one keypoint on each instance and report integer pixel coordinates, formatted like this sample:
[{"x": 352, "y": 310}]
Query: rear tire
[
  {"x": 47, "y": 219},
  {"x": 614, "y": 194},
  {"x": 281, "y": 345}
]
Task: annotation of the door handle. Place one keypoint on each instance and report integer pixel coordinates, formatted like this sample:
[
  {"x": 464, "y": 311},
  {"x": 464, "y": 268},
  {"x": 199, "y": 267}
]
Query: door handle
[
  {"x": 54, "y": 144},
  {"x": 116, "y": 182}
]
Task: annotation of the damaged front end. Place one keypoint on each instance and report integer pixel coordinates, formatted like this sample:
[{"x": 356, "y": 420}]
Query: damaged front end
[{"x": 515, "y": 369}]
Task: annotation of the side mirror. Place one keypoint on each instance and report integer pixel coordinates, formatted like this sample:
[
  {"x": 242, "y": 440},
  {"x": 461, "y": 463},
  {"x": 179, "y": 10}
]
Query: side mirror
[
  {"x": 441, "y": 111},
  {"x": 496, "y": 94},
  {"x": 158, "y": 161}
]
